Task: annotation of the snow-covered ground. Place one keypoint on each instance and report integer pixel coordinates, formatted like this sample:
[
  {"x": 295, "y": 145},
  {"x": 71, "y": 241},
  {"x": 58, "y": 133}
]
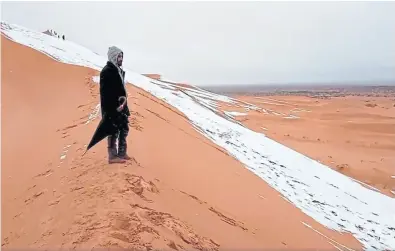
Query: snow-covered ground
[
  {"x": 236, "y": 113},
  {"x": 329, "y": 197}
]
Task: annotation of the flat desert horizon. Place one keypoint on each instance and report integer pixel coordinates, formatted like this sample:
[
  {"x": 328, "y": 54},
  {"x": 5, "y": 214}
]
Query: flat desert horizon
[
  {"x": 278, "y": 170},
  {"x": 357, "y": 88}
]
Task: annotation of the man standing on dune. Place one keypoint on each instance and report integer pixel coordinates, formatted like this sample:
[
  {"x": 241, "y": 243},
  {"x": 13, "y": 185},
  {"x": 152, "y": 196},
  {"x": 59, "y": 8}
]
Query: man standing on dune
[{"x": 114, "y": 104}]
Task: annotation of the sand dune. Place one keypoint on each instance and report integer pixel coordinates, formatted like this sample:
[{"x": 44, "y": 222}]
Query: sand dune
[
  {"x": 86, "y": 203},
  {"x": 340, "y": 132},
  {"x": 198, "y": 180}
]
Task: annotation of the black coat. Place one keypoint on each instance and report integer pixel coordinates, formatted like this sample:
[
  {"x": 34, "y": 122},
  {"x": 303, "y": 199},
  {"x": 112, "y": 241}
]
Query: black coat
[{"x": 111, "y": 88}]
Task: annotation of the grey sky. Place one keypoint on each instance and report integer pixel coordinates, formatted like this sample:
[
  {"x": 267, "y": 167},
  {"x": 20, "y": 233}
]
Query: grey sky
[{"x": 210, "y": 43}]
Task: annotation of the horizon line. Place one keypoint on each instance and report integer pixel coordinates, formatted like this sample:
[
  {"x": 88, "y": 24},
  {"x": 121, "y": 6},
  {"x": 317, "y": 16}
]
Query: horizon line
[{"x": 346, "y": 83}]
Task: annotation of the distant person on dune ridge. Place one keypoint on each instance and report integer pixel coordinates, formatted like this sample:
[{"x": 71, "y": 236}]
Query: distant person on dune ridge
[{"x": 112, "y": 89}]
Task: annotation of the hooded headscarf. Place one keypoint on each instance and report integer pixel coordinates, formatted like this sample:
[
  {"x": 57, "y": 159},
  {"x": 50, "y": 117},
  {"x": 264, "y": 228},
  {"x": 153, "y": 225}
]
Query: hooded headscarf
[{"x": 112, "y": 54}]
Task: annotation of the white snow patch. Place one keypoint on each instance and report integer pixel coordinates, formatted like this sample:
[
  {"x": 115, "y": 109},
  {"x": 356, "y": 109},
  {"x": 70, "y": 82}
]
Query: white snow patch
[
  {"x": 96, "y": 79},
  {"x": 336, "y": 247},
  {"x": 264, "y": 128},
  {"x": 299, "y": 110},
  {"x": 329, "y": 197},
  {"x": 275, "y": 100},
  {"x": 369, "y": 186},
  {"x": 94, "y": 114},
  {"x": 262, "y": 197},
  {"x": 326, "y": 237},
  {"x": 65, "y": 150},
  {"x": 270, "y": 103},
  {"x": 291, "y": 117},
  {"x": 235, "y": 113}
]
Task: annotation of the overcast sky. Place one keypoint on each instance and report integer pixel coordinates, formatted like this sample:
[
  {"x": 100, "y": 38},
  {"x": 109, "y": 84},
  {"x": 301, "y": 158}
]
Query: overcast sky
[{"x": 214, "y": 43}]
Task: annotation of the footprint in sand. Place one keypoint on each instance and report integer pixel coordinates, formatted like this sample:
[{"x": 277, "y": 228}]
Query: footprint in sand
[
  {"x": 195, "y": 198},
  {"x": 178, "y": 227},
  {"x": 223, "y": 217},
  {"x": 139, "y": 185},
  {"x": 34, "y": 197},
  {"x": 64, "y": 153},
  {"x": 228, "y": 220},
  {"x": 45, "y": 174}
]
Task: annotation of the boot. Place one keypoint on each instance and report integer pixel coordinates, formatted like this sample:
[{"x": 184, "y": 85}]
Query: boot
[
  {"x": 112, "y": 151},
  {"x": 125, "y": 156},
  {"x": 123, "y": 148}
]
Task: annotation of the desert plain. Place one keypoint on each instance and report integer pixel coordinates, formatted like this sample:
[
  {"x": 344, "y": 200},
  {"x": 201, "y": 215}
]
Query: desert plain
[{"x": 353, "y": 133}]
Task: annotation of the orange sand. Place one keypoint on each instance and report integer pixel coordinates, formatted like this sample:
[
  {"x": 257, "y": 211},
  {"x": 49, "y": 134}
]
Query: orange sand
[
  {"x": 180, "y": 192},
  {"x": 347, "y": 134}
]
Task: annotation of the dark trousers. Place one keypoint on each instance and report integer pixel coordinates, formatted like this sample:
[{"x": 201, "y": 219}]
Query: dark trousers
[{"x": 121, "y": 123}]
